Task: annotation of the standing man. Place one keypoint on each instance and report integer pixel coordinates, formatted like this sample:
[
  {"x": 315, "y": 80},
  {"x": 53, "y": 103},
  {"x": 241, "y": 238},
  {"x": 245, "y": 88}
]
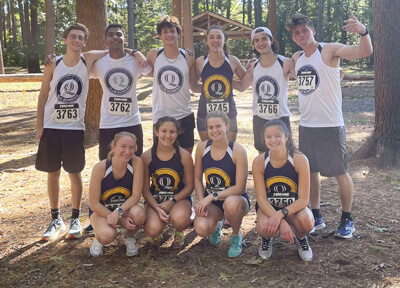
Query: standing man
[
  {"x": 269, "y": 76},
  {"x": 118, "y": 73},
  {"x": 60, "y": 125},
  {"x": 172, "y": 67},
  {"x": 322, "y": 136}
]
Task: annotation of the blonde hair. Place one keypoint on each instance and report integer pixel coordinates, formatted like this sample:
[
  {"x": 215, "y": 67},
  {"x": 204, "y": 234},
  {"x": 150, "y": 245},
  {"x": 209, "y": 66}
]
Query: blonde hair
[
  {"x": 117, "y": 137},
  {"x": 218, "y": 114}
]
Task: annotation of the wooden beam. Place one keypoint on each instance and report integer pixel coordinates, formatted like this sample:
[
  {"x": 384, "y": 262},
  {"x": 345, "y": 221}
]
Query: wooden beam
[{"x": 13, "y": 78}]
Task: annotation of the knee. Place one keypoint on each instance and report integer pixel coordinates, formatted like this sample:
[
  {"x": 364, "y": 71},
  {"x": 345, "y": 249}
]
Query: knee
[
  {"x": 180, "y": 219},
  {"x": 106, "y": 237},
  {"x": 153, "y": 229},
  {"x": 138, "y": 215},
  {"x": 305, "y": 224},
  {"x": 201, "y": 227},
  {"x": 232, "y": 206}
]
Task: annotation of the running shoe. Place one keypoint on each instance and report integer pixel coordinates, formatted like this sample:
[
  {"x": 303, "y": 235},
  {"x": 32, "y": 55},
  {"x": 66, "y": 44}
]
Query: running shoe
[
  {"x": 131, "y": 249},
  {"x": 55, "y": 228},
  {"x": 266, "y": 249},
  {"x": 236, "y": 246},
  {"x": 303, "y": 249},
  {"x": 346, "y": 229},
  {"x": 179, "y": 241},
  {"x": 96, "y": 249},
  {"x": 318, "y": 225},
  {"x": 215, "y": 238},
  {"x": 75, "y": 229}
]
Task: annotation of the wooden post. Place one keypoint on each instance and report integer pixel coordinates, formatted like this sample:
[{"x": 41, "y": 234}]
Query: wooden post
[{"x": 187, "y": 24}]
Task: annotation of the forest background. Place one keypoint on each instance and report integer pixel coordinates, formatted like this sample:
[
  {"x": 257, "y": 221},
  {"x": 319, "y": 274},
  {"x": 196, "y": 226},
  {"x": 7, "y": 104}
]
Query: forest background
[{"x": 23, "y": 24}]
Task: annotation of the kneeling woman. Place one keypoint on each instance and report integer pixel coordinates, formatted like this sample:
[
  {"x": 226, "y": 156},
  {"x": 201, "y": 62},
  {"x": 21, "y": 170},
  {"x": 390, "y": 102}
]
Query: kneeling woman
[
  {"x": 224, "y": 165},
  {"x": 115, "y": 189},
  {"x": 169, "y": 168},
  {"x": 282, "y": 184}
]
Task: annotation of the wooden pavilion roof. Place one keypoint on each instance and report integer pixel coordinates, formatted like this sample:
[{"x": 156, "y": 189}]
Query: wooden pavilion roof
[{"x": 203, "y": 21}]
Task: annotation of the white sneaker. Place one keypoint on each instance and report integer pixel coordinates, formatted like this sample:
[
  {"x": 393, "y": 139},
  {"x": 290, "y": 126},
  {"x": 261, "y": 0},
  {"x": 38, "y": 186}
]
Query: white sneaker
[
  {"x": 96, "y": 249},
  {"x": 131, "y": 249},
  {"x": 266, "y": 249},
  {"x": 303, "y": 249}
]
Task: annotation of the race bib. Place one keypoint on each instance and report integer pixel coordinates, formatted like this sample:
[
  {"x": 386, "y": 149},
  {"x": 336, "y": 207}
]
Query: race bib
[
  {"x": 268, "y": 108},
  {"x": 217, "y": 105},
  {"x": 66, "y": 113},
  {"x": 120, "y": 106},
  {"x": 306, "y": 82},
  {"x": 281, "y": 202},
  {"x": 163, "y": 196}
]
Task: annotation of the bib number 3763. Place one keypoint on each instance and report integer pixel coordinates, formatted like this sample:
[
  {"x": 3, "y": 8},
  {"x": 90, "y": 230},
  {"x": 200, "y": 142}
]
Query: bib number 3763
[{"x": 65, "y": 113}]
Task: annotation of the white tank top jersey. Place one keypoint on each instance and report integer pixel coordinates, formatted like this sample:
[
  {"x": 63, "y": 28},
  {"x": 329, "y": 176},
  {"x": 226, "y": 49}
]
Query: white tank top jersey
[
  {"x": 270, "y": 91},
  {"x": 171, "y": 95},
  {"x": 320, "y": 94},
  {"x": 118, "y": 78},
  {"x": 66, "y": 104}
]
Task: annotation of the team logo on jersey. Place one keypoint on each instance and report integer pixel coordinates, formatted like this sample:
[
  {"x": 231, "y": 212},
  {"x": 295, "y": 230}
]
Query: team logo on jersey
[
  {"x": 307, "y": 79},
  {"x": 165, "y": 179},
  {"x": 217, "y": 178},
  {"x": 170, "y": 79},
  {"x": 69, "y": 88},
  {"x": 217, "y": 86},
  {"x": 267, "y": 88},
  {"x": 115, "y": 197},
  {"x": 119, "y": 81},
  {"x": 280, "y": 184}
]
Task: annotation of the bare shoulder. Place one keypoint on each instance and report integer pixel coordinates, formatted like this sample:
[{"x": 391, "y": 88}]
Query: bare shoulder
[
  {"x": 239, "y": 149},
  {"x": 258, "y": 162},
  {"x": 146, "y": 157},
  {"x": 300, "y": 160},
  {"x": 100, "y": 167},
  {"x": 201, "y": 146},
  {"x": 296, "y": 55},
  {"x": 186, "y": 156},
  {"x": 137, "y": 162}
]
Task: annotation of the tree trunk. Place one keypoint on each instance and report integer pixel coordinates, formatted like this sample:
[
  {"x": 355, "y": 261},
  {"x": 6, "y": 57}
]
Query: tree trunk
[
  {"x": 228, "y": 9},
  {"x": 320, "y": 20},
  {"x": 195, "y": 7},
  {"x": 272, "y": 18},
  {"x": 93, "y": 15},
  {"x": 1, "y": 60},
  {"x": 50, "y": 24},
  {"x": 249, "y": 12},
  {"x": 385, "y": 140},
  {"x": 14, "y": 25},
  {"x": 258, "y": 13},
  {"x": 131, "y": 25},
  {"x": 187, "y": 25},
  {"x": 177, "y": 12},
  {"x": 33, "y": 60},
  {"x": 2, "y": 22}
]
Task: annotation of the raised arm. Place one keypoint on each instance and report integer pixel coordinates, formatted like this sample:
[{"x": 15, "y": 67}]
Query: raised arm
[
  {"x": 194, "y": 84},
  {"x": 245, "y": 82},
  {"x": 237, "y": 67},
  {"x": 93, "y": 55},
  {"x": 151, "y": 59},
  {"x": 349, "y": 52}
]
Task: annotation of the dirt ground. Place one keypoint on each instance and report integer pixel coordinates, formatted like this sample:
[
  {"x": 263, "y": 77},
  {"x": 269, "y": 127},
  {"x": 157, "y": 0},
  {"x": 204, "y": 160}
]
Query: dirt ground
[{"x": 370, "y": 259}]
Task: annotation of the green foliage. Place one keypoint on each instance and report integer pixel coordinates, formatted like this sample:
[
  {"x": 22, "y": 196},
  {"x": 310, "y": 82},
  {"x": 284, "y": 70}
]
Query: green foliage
[{"x": 147, "y": 13}]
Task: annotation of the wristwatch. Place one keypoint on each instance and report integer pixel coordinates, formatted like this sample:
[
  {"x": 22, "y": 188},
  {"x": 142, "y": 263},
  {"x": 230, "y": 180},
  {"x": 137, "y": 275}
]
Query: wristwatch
[
  {"x": 134, "y": 51},
  {"x": 173, "y": 200},
  {"x": 215, "y": 195},
  {"x": 285, "y": 213},
  {"x": 120, "y": 212},
  {"x": 366, "y": 32}
]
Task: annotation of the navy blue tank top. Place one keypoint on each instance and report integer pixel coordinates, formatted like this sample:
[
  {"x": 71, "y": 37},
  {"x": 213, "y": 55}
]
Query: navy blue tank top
[
  {"x": 167, "y": 177},
  {"x": 281, "y": 183},
  {"x": 219, "y": 174},
  {"x": 217, "y": 89},
  {"x": 115, "y": 192}
]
